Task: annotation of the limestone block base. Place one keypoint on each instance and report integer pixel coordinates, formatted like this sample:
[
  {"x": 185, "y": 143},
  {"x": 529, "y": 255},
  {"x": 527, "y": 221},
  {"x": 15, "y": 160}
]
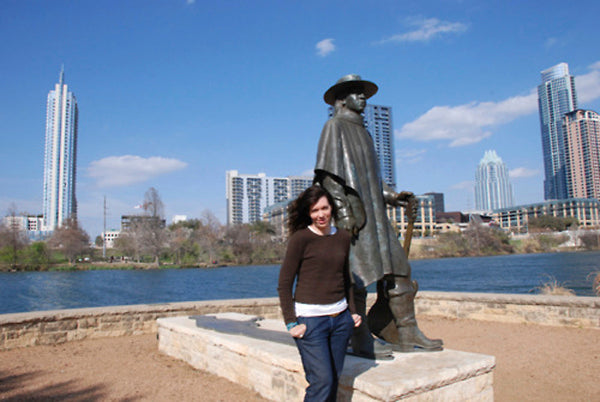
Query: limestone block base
[{"x": 260, "y": 355}]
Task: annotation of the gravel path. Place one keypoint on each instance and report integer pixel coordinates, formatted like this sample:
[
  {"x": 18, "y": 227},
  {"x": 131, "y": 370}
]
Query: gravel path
[{"x": 533, "y": 363}]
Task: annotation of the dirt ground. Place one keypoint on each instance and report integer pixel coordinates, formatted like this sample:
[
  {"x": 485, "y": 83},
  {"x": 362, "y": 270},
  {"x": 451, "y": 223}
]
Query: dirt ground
[{"x": 533, "y": 363}]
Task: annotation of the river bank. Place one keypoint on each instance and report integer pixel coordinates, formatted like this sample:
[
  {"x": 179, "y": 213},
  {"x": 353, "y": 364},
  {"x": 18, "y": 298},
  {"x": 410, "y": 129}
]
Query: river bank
[
  {"x": 534, "y": 363},
  {"x": 419, "y": 252}
]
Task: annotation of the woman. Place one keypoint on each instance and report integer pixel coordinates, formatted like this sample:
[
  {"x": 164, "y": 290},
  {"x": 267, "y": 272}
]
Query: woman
[{"x": 320, "y": 314}]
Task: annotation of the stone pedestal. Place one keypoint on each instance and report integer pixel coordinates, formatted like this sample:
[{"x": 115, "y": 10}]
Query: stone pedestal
[{"x": 260, "y": 355}]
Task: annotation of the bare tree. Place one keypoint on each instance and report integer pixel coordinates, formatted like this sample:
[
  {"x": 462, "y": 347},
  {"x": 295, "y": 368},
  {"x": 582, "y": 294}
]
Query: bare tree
[
  {"x": 128, "y": 245},
  {"x": 181, "y": 243},
  {"x": 209, "y": 235},
  {"x": 151, "y": 229},
  {"x": 70, "y": 239}
]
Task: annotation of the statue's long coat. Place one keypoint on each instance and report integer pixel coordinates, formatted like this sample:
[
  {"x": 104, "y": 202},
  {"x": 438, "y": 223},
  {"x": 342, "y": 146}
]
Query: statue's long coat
[{"x": 347, "y": 154}]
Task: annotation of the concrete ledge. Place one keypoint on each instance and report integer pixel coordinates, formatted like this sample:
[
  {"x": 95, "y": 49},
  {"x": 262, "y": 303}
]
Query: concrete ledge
[
  {"x": 571, "y": 311},
  {"x": 261, "y": 356},
  {"x": 58, "y": 326},
  {"x": 52, "y": 327}
]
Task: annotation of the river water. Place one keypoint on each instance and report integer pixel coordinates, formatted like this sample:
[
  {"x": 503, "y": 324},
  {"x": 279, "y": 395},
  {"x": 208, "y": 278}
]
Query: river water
[{"x": 33, "y": 291}]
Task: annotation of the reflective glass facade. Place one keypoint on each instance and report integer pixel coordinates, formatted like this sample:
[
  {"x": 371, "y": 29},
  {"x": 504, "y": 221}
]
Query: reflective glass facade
[{"x": 556, "y": 97}]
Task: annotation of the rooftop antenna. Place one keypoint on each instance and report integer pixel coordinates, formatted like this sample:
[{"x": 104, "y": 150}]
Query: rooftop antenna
[{"x": 104, "y": 232}]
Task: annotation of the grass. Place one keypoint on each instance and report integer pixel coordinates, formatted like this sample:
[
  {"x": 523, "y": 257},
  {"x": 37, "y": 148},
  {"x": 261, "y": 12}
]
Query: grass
[
  {"x": 552, "y": 287},
  {"x": 596, "y": 282}
]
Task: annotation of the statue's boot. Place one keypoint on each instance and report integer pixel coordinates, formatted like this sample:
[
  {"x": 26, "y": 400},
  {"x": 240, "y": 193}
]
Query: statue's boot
[
  {"x": 406, "y": 336},
  {"x": 362, "y": 342}
]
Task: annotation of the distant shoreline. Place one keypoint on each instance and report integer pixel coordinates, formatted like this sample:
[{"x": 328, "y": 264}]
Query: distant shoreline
[{"x": 118, "y": 265}]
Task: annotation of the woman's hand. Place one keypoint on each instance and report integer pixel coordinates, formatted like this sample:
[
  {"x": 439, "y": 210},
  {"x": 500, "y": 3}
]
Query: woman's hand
[
  {"x": 357, "y": 320},
  {"x": 298, "y": 331}
]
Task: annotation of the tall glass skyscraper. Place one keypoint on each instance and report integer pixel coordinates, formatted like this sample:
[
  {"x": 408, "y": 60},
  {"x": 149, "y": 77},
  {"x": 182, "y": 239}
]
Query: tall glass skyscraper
[
  {"x": 492, "y": 185},
  {"x": 378, "y": 122},
  {"x": 556, "y": 97},
  {"x": 60, "y": 156}
]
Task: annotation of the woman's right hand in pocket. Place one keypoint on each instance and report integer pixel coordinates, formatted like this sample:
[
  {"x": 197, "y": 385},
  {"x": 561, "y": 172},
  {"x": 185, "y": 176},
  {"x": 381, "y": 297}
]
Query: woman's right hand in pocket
[{"x": 298, "y": 331}]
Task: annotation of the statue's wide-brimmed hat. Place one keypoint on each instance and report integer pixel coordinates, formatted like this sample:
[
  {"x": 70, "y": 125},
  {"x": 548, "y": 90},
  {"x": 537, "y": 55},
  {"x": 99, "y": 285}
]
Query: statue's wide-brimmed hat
[{"x": 349, "y": 81}]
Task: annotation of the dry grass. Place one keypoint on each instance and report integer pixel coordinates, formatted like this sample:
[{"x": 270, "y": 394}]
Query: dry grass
[
  {"x": 552, "y": 287},
  {"x": 596, "y": 283}
]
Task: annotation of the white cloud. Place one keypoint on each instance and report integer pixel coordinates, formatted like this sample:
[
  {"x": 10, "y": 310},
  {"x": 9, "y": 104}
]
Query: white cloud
[
  {"x": 325, "y": 47},
  {"x": 466, "y": 124},
  {"x": 463, "y": 185},
  {"x": 588, "y": 85},
  {"x": 117, "y": 171},
  {"x": 550, "y": 42},
  {"x": 426, "y": 29},
  {"x": 410, "y": 156},
  {"x": 522, "y": 172}
]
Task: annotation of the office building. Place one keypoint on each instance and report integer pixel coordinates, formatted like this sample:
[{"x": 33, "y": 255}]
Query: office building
[
  {"x": 582, "y": 153},
  {"x": 425, "y": 222},
  {"x": 30, "y": 225},
  {"x": 516, "y": 218},
  {"x": 492, "y": 185},
  {"x": 249, "y": 195},
  {"x": 378, "y": 122},
  {"x": 110, "y": 236},
  {"x": 60, "y": 157},
  {"x": 438, "y": 199},
  {"x": 556, "y": 97}
]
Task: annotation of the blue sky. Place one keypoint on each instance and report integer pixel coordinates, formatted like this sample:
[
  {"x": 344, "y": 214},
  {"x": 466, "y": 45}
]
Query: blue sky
[{"x": 173, "y": 93}]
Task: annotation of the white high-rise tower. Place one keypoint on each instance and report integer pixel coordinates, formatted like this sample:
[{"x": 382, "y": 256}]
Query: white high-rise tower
[
  {"x": 492, "y": 185},
  {"x": 60, "y": 156}
]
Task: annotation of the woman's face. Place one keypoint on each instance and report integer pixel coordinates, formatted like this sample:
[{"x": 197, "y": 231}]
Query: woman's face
[{"x": 320, "y": 214}]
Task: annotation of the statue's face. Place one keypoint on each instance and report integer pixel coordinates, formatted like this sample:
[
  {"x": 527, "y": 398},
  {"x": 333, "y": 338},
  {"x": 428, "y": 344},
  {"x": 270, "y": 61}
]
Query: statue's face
[{"x": 356, "y": 102}]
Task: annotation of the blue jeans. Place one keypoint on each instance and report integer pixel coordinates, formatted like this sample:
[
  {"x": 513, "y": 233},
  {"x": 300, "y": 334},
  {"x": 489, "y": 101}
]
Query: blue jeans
[{"x": 322, "y": 349}]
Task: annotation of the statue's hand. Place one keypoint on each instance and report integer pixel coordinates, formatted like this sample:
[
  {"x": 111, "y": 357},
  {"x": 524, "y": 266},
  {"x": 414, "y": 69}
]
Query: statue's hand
[
  {"x": 409, "y": 201},
  {"x": 347, "y": 223},
  {"x": 404, "y": 196}
]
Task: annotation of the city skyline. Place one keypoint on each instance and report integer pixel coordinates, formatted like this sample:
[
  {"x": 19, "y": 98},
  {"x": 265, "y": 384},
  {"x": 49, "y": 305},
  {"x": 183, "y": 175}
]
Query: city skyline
[{"x": 173, "y": 94}]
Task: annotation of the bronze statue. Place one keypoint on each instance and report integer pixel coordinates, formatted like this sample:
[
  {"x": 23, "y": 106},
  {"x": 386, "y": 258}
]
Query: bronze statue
[{"x": 347, "y": 167}]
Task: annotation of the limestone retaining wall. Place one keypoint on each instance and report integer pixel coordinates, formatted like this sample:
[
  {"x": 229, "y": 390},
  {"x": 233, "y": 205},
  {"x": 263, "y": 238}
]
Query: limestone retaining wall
[
  {"x": 52, "y": 327},
  {"x": 572, "y": 311}
]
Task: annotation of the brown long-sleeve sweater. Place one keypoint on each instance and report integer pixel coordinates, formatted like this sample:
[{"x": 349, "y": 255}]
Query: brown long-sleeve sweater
[{"x": 319, "y": 264}]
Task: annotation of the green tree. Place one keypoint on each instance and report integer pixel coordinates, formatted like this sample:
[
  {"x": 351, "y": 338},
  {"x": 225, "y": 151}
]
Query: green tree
[
  {"x": 37, "y": 256},
  {"x": 12, "y": 238}
]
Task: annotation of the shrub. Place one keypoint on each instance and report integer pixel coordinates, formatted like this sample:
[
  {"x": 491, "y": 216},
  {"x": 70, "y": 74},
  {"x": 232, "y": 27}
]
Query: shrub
[{"x": 590, "y": 241}]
